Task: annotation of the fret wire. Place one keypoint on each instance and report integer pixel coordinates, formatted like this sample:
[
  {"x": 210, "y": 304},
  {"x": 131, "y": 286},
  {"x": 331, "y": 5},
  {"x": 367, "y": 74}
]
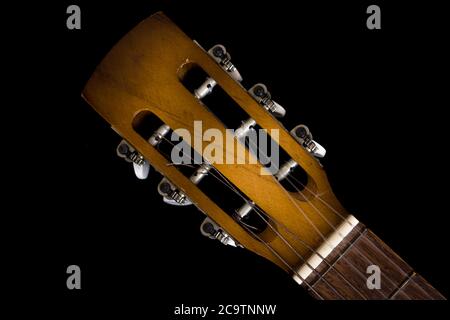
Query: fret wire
[
  {"x": 370, "y": 242},
  {"x": 320, "y": 199},
  {"x": 320, "y": 213},
  {"x": 281, "y": 237},
  {"x": 324, "y": 259},
  {"x": 322, "y": 235},
  {"x": 403, "y": 284},
  {"x": 314, "y": 251}
]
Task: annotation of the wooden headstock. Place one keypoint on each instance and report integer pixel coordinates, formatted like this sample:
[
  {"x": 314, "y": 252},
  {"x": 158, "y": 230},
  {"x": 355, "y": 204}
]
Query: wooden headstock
[{"x": 142, "y": 75}]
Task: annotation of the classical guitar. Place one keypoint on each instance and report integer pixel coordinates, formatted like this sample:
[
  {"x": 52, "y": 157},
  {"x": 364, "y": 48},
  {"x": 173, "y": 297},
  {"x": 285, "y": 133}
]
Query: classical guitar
[{"x": 154, "y": 89}]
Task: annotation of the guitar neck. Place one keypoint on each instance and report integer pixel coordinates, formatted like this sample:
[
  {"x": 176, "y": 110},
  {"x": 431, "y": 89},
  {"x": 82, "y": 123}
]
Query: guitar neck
[{"x": 345, "y": 273}]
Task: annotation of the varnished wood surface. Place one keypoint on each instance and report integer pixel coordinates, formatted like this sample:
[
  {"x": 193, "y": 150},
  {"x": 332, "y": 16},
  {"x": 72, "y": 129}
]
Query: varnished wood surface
[{"x": 142, "y": 74}]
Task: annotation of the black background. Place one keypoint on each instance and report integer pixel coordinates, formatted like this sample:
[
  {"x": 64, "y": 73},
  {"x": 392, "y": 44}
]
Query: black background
[{"x": 375, "y": 99}]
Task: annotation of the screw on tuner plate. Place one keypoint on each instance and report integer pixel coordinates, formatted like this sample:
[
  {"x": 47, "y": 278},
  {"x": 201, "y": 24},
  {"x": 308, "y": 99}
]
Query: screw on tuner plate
[
  {"x": 302, "y": 134},
  {"x": 211, "y": 230}
]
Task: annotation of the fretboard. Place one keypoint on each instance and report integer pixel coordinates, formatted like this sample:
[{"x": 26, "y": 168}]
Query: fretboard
[{"x": 344, "y": 273}]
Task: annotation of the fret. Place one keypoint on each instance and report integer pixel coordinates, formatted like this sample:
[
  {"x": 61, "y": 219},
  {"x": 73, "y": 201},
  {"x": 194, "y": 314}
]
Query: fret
[
  {"x": 399, "y": 289},
  {"x": 417, "y": 288},
  {"x": 343, "y": 274},
  {"x": 346, "y": 288}
]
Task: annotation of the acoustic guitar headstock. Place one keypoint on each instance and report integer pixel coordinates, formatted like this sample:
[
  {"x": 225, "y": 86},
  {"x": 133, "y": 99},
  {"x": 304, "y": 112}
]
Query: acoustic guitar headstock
[{"x": 153, "y": 89}]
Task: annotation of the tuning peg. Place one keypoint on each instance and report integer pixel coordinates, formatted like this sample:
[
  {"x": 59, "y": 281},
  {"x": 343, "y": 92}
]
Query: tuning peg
[
  {"x": 223, "y": 58},
  {"x": 244, "y": 210},
  {"x": 141, "y": 170},
  {"x": 211, "y": 230},
  {"x": 302, "y": 134},
  {"x": 244, "y": 129},
  {"x": 171, "y": 195},
  {"x": 141, "y": 166},
  {"x": 286, "y": 169},
  {"x": 260, "y": 93}
]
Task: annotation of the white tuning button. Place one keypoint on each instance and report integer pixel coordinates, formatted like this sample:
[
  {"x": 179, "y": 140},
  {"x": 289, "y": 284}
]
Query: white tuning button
[
  {"x": 277, "y": 110},
  {"x": 234, "y": 73},
  {"x": 318, "y": 151},
  {"x": 141, "y": 170},
  {"x": 140, "y": 166}
]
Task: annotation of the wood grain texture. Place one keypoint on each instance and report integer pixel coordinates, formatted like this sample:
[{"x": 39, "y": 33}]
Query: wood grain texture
[{"x": 142, "y": 73}]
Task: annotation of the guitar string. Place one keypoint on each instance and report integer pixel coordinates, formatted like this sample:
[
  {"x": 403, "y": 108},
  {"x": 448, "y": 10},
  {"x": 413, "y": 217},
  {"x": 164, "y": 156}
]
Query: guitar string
[
  {"x": 325, "y": 239},
  {"x": 309, "y": 246},
  {"x": 346, "y": 221},
  {"x": 313, "y": 225},
  {"x": 287, "y": 264},
  {"x": 317, "y": 230},
  {"x": 232, "y": 188},
  {"x": 370, "y": 243},
  {"x": 320, "y": 199},
  {"x": 306, "y": 245},
  {"x": 277, "y": 255},
  {"x": 227, "y": 184},
  {"x": 261, "y": 214},
  {"x": 335, "y": 229}
]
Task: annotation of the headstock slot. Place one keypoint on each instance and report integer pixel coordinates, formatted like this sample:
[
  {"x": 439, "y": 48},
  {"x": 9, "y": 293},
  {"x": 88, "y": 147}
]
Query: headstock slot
[
  {"x": 216, "y": 187},
  {"x": 145, "y": 123},
  {"x": 230, "y": 198},
  {"x": 231, "y": 114}
]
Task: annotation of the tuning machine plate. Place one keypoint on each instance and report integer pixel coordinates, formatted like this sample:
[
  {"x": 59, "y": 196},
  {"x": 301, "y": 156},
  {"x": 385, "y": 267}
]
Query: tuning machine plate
[
  {"x": 141, "y": 166},
  {"x": 171, "y": 194},
  {"x": 260, "y": 93},
  {"x": 302, "y": 134},
  {"x": 211, "y": 230},
  {"x": 223, "y": 58}
]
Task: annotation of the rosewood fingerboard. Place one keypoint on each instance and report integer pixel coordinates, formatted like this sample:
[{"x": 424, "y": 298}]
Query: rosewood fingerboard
[{"x": 343, "y": 274}]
